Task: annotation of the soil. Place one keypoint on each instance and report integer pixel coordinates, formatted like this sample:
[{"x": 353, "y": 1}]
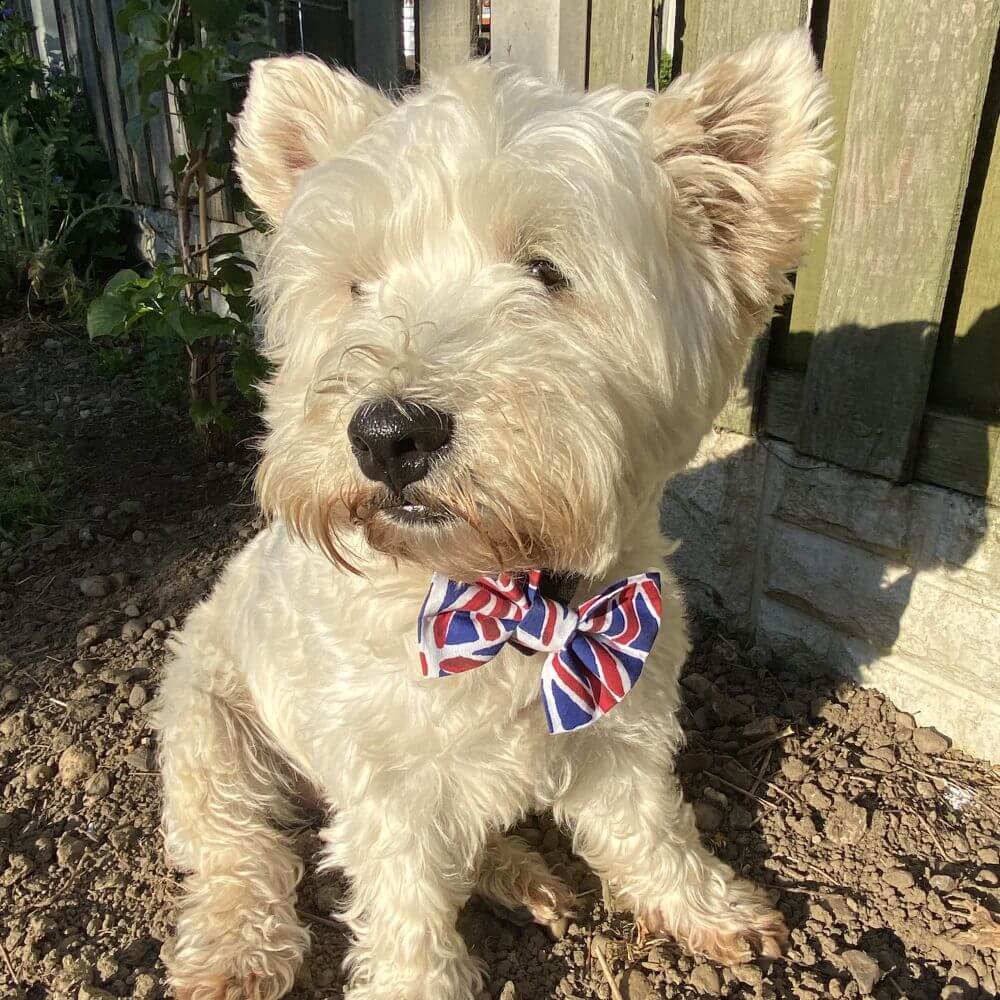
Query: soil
[{"x": 877, "y": 841}]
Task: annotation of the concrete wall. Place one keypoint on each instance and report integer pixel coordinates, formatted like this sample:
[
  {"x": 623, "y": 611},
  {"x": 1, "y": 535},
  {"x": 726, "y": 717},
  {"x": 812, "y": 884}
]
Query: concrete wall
[{"x": 897, "y": 586}]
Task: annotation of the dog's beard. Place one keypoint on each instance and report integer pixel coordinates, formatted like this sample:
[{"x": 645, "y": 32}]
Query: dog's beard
[{"x": 450, "y": 529}]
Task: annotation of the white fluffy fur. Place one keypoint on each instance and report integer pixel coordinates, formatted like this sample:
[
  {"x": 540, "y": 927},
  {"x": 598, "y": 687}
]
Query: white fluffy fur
[{"x": 675, "y": 220}]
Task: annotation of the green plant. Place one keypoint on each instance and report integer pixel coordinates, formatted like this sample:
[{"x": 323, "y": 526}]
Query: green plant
[
  {"x": 665, "y": 74},
  {"x": 59, "y": 217},
  {"x": 196, "y": 302}
]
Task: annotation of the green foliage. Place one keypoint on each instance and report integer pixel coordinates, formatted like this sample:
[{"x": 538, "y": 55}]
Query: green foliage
[
  {"x": 31, "y": 479},
  {"x": 59, "y": 217},
  {"x": 192, "y": 315},
  {"x": 665, "y": 74}
]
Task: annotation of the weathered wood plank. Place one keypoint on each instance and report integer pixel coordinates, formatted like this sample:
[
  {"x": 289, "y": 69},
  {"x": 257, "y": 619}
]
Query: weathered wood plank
[
  {"x": 98, "y": 61},
  {"x": 967, "y": 366},
  {"x": 547, "y": 36},
  {"x": 960, "y": 453},
  {"x": 378, "y": 42},
  {"x": 446, "y": 34},
  {"x": 142, "y": 161},
  {"x": 911, "y": 128},
  {"x": 847, "y": 18},
  {"x": 712, "y": 28},
  {"x": 619, "y": 43}
]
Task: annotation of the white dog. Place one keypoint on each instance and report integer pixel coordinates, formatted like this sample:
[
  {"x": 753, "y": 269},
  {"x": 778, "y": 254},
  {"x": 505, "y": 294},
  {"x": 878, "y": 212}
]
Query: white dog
[{"x": 501, "y": 315}]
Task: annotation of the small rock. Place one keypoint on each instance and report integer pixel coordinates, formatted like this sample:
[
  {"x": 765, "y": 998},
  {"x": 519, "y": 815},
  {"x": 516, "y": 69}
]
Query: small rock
[
  {"x": 636, "y": 986},
  {"x": 140, "y": 759},
  {"x": 705, "y": 979},
  {"x": 847, "y": 822},
  {"x": 94, "y": 993},
  {"x": 76, "y": 764},
  {"x": 863, "y": 968},
  {"x": 816, "y": 797},
  {"x": 929, "y": 741},
  {"x": 83, "y": 667},
  {"x": 793, "y": 769},
  {"x": 987, "y": 876},
  {"x": 740, "y": 818},
  {"x": 38, "y": 775},
  {"x": 943, "y": 883},
  {"x": 133, "y": 629},
  {"x": 708, "y": 818},
  {"x": 69, "y": 850},
  {"x": 88, "y": 636},
  {"x": 94, "y": 586},
  {"x": 98, "y": 785},
  {"x": 137, "y": 696},
  {"x": 988, "y": 855},
  {"x": 693, "y": 762},
  {"x": 138, "y": 537},
  {"x": 758, "y": 728},
  {"x": 9, "y": 695},
  {"x": 899, "y": 878}
]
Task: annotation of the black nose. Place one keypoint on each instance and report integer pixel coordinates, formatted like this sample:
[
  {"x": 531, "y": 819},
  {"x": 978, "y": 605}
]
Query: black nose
[{"x": 396, "y": 440}]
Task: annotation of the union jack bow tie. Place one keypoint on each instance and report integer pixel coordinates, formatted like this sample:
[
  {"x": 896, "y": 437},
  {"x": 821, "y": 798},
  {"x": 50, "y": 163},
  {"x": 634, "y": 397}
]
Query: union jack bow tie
[{"x": 596, "y": 653}]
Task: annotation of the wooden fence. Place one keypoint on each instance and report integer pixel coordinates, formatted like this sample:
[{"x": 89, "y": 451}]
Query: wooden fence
[{"x": 888, "y": 359}]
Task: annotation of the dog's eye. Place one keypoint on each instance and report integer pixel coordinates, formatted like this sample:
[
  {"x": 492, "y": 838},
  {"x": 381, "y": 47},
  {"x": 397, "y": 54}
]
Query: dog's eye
[
  {"x": 357, "y": 291},
  {"x": 548, "y": 274}
]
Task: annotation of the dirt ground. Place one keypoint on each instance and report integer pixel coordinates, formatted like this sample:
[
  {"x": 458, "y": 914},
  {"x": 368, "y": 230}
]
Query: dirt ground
[{"x": 877, "y": 841}]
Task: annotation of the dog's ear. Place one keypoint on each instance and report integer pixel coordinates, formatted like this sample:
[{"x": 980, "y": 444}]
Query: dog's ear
[
  {"x": 743, "y": 142},
  {"x": 298, "y": 112}
]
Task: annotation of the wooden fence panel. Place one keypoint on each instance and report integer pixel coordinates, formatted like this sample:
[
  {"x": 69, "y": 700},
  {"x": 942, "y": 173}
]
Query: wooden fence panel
[
  {"x": 967, "y": 370},
  {"x": 378, "y": 42},
  {"x": 446, "y": 33},
  {"x": 908, "y": 145},
  {"x": 847, "y": 18},
  {"x": 139, "y": 154},
  {"x": 76, "y": 14},
  {"x": 619, "y": 43},
  {"x": 547, "y": 36},
  {"x": 712, "y": 28}
]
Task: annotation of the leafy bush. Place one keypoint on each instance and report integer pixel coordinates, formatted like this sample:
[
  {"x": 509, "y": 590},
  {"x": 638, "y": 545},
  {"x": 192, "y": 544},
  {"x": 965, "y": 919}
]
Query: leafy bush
[
  {"x": 59, "y": 216},
  {"x": 666, "y": 71},
  {"x": 194, "y": 306}
]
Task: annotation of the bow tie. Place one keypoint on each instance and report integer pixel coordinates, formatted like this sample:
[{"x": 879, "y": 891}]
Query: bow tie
[{"x": 596, "y": 653}]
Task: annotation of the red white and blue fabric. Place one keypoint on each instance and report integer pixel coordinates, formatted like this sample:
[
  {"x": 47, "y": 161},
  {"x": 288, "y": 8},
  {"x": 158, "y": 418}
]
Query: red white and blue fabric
[{"x": 595, "y": 654}]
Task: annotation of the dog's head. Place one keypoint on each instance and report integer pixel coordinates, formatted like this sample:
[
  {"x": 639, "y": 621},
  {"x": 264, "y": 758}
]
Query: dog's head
[{"x": 503, "y": 314}]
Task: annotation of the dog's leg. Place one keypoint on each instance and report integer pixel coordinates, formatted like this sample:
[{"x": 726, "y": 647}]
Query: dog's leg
[
  {"x": 634, "y": 828},
  {"x": 412, "y": 866},
  {"x": 516, "y": 877},
  {"x": 237, "y": 931}
]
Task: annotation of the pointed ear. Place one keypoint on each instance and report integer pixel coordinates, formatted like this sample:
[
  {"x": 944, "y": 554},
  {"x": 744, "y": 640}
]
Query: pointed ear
[
  {"x": 298, "y": 112},
  {"x": 743, "y": 142}
]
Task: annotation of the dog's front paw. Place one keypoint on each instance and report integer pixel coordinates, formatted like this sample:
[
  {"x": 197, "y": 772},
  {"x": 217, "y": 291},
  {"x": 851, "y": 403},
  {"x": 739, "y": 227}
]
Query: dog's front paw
[
  {"x": 730, "y": 931},
  {"x": 231, "y": 946}
]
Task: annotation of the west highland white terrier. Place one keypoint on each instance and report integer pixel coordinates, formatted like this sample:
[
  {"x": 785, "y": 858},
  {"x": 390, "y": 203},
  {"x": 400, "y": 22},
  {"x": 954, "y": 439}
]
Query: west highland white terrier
[{"x": 501, "y": 315}]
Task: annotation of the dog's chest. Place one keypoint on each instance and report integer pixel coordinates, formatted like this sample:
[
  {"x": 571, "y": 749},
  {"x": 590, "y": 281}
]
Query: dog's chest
[{"x": 332, "y": 664}]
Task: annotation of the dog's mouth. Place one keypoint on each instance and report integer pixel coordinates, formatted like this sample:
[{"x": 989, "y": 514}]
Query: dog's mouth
[{"x": 413, "y": 513}]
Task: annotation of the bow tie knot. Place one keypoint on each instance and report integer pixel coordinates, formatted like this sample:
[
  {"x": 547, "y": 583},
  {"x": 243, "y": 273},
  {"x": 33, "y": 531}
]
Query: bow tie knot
[{"x": 595, "y": 653}]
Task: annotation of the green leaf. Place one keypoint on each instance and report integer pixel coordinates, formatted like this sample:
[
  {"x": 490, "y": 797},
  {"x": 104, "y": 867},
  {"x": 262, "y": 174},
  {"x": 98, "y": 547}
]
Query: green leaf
[
  {"x": 248, "y": 369},
  {"x": 202, "y": 326},
  {"x": 119, "y": 280},
  {"x": 106, "y": 317},
  {"x": 203, "y": 412},
  {"x": 226, "y": 243}
]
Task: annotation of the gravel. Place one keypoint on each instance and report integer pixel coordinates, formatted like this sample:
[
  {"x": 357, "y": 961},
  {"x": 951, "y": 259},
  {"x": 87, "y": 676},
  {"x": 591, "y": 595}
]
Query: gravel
[{"x": 876, "y": 840}]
